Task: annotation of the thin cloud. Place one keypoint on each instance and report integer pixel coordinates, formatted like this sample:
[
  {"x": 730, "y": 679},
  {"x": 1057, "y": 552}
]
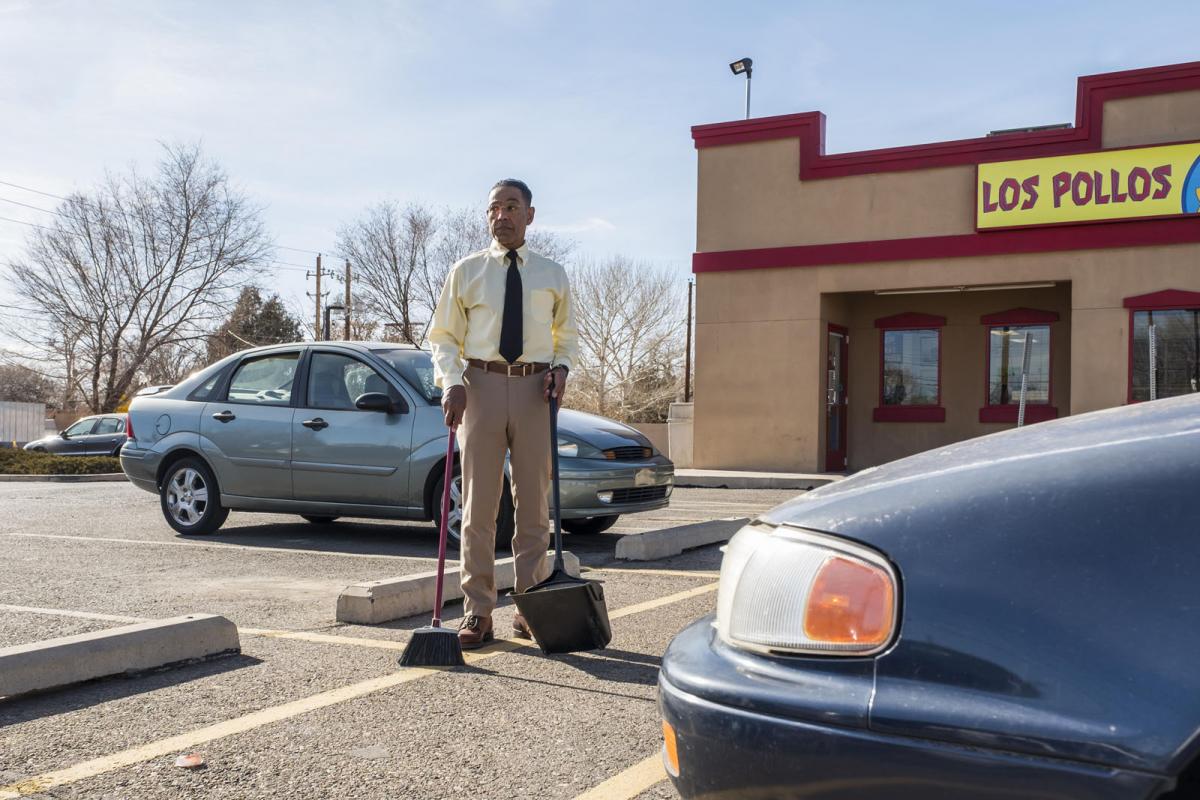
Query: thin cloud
[{"x": 589, "y": 225}]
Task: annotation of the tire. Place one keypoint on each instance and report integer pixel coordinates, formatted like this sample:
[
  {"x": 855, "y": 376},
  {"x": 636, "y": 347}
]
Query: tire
[
  {"x": 505, "y": 520},
  {"x": 318, "y": 520},
  {"x": 190, "y": 498},
  {"x": 590, "y": 524}
]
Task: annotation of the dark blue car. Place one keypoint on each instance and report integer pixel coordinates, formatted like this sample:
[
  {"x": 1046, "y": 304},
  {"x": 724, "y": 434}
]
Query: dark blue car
[{"x": 1015, "y": 616}]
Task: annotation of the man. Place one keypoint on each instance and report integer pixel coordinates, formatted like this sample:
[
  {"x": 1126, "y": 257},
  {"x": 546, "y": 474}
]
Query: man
[{"x": 503, "y": 337}]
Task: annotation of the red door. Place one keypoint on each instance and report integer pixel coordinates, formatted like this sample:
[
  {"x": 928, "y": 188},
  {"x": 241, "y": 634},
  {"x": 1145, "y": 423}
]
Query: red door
[{"x": 836, "y": 399}]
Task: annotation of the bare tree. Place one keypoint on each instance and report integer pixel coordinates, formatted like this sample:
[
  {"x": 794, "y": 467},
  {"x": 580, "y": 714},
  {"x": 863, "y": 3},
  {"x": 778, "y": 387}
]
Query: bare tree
[
  {"x": 631, "y": 330},
  {"x": 390, "y": 249},
  {"x": 139, "y": 266}
]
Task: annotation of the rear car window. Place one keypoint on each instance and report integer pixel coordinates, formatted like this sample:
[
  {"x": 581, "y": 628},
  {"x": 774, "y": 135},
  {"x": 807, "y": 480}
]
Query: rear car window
[{"x": 266, "y": 380}]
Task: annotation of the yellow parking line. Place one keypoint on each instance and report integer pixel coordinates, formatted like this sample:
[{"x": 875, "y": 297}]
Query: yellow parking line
[
  {"x": 629, "y": 783},
  {"x": 57, "y": 612},
  {"x": 266, "y": 716},
  {"x": 671, "y": 573},
  {"x": 220, "y": 546}
]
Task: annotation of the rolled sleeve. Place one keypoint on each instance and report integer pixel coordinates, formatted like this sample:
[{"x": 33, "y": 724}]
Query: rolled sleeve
[
  {"x": 566, "y": 334},
  {"x": 447, "y": 334}
]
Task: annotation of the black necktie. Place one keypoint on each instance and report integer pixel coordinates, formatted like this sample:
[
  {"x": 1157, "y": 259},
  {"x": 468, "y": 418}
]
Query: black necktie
[{"x": 512, "y": 341}]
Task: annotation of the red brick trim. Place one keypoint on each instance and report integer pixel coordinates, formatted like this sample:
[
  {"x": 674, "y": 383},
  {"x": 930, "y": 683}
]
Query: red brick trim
[
  {"x": 1008, "y": 413},
  {"x": 910, "y": 414},
  {"x": 1020, "y": 316},
  {"x": 1092, "y": 92},
  {"x": 1096, "y": 236},
  {"x": 1166, "y": 299},
  {"x": 910, "y": 320}
]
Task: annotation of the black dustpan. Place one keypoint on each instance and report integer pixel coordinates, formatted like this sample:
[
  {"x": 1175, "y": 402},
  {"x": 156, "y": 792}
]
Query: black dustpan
[{"x": 565, "y": 614}]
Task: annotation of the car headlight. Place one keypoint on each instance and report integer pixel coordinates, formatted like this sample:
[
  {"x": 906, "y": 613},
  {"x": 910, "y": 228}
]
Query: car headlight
[
  {"x": 570, "y": 448},
  {"x": 789, "y": 590}
]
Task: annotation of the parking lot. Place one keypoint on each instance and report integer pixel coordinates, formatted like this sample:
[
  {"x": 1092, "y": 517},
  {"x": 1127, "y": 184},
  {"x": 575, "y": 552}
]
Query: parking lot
[{"x": 313, "y": 707}]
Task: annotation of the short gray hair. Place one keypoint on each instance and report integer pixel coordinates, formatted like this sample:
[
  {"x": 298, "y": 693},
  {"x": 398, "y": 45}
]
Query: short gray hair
[{"x": 519, "y": 185}]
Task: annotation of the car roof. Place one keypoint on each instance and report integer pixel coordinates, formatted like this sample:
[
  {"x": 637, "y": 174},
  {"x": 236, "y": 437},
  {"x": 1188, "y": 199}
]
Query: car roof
[{"x": 353, "y": 345}]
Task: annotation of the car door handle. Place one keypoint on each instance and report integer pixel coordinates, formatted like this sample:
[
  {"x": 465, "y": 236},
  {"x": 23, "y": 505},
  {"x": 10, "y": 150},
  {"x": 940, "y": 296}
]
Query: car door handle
[
  {"x": 316, "y": 424},
  {"x": 224, "y": 416}
]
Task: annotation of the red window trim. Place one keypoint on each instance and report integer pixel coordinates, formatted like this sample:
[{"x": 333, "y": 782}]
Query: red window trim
[
  {"x": 1008, "y": 412},
  {"x": 924, "y": 413},
  {"x": 1164, "y": 300}
]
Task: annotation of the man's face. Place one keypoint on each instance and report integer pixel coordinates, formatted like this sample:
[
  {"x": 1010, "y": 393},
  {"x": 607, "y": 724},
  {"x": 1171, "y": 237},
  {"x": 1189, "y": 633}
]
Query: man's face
[{"x": 508, "y": 216}]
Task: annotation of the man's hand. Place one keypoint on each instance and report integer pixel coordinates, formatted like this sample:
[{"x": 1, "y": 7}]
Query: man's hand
[
  {"x": 558, "y": 376},
  {"x": 454, "y": 404}
]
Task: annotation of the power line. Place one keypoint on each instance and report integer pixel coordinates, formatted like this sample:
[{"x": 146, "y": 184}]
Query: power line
[{"x": 86, "y": 202}]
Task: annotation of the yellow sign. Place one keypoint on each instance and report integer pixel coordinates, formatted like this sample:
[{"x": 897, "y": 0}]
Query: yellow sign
[{"x": 1089, "y": 187}]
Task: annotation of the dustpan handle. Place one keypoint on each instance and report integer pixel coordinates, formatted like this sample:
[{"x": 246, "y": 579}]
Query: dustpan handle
[{"x": 558, "y": 556}]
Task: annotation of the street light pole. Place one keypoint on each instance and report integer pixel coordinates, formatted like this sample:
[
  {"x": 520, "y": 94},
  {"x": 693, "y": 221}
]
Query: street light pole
[{"x": 744, "y": 66}]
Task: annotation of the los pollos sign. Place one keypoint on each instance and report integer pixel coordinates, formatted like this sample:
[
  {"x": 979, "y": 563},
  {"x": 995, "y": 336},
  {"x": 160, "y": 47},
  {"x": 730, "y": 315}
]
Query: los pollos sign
[{"x": 1090, "y": 187}]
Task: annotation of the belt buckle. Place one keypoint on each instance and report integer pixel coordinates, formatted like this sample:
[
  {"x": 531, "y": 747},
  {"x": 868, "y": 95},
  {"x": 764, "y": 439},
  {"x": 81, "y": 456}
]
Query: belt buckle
[{"x": 510, "y": 370}]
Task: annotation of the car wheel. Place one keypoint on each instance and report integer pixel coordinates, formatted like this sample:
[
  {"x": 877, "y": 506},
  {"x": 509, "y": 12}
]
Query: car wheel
[
  {"x": 505, "y": 520},
  {"x": 190, "y": 499},
  {"x": 590, "y": 524},
  {"x": 116, "y": 453},
  {"x": 318, "y": 520}
]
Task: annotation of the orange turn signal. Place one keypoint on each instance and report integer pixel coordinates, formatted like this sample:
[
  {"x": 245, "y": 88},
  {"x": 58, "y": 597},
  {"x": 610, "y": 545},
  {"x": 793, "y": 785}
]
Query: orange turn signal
[
  {"x": 851, "y": 602},
  {"x": 670, "y": 749}
]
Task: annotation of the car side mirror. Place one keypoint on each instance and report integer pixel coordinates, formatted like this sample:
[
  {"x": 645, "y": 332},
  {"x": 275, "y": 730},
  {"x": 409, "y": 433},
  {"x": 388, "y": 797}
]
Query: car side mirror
[
  {"x": 378, "y": 401},
  {"x": 65, "y": 435}
]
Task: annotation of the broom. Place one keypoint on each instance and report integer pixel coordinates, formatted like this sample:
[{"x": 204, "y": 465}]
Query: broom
[{"x": 433, "y": 645}]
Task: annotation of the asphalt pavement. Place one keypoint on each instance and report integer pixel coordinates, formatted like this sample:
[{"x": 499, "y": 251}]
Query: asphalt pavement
[{"x": 314, "y": 708}]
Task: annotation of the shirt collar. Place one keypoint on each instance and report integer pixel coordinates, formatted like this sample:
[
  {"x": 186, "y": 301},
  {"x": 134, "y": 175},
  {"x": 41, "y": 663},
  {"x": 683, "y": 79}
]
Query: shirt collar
[{"x": 500, "y": 252}]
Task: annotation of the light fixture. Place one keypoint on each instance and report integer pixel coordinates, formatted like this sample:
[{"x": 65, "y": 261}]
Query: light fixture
[
  {"x": 744, "y": 66},
  {"x": 987, "y": 288}
]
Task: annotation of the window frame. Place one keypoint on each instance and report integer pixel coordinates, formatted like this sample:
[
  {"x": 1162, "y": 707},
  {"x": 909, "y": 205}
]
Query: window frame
[
  {"x": 1008, "y": 412},
  {"x": 395, "y": 394},
  {"x": 222, "y": 394},
  {"x": 1164, "y": 300},
  {"x": 909, "y": 321}
]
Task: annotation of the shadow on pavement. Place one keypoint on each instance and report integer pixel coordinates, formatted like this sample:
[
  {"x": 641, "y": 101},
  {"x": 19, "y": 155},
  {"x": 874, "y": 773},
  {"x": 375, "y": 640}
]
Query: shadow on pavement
[{"x": 102, "y": 690}]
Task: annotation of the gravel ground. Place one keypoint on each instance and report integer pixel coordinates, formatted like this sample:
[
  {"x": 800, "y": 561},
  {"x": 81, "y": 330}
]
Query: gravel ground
[{"x": 515, "y": 724}]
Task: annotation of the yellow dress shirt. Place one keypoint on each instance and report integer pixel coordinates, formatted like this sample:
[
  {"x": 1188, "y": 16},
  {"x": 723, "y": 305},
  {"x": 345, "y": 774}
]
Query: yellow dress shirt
[{"x": 467, "y": 321}]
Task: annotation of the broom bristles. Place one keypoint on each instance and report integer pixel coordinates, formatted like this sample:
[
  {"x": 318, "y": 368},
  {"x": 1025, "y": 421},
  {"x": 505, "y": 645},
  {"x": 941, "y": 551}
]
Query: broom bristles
[{"x": 433, "y": 647}]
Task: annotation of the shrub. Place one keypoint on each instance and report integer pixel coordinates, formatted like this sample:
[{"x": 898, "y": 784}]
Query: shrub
[{"x": 21, "y": 462}]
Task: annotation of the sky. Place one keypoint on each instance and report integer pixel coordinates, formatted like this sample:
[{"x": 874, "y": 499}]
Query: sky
[{"x": 317, "y": 110}]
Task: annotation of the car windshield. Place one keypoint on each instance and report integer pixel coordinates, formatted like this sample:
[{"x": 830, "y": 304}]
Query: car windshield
[{"x": 416, "y": 367}]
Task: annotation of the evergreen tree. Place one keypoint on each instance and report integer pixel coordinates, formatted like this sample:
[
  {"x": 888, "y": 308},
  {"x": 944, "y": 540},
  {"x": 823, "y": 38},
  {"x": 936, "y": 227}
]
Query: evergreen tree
[{"x": 253, "y": 322}]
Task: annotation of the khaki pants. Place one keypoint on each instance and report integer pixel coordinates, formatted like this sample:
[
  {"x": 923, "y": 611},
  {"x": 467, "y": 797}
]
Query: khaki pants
[{"x": 503, "y": 415}]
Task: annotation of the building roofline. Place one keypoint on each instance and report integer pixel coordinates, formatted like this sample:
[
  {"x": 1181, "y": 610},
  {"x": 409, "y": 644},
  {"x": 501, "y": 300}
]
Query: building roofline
[{"x": 1092, "y": 92}]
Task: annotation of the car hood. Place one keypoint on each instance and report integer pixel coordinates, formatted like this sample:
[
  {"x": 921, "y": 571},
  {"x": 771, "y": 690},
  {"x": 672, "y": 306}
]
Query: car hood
[
  {"x": 600, "y": 432},
  {"x": 994, "y": 466}
]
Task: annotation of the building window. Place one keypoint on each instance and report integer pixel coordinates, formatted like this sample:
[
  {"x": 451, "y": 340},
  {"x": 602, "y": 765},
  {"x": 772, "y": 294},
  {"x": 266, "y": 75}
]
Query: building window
[
  {"x": 1175, "y": 317},
  {"x": 1007, "y": 333},
  {"x": 910, "y": 368}
]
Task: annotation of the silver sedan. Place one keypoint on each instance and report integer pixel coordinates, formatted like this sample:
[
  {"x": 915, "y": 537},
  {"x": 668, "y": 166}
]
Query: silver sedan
[{"x": 351, "y": 429}]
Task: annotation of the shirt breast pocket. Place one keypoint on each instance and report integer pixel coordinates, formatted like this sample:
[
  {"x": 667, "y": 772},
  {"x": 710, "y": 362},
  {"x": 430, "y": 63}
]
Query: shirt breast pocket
[{"x": 541, "y": 305}]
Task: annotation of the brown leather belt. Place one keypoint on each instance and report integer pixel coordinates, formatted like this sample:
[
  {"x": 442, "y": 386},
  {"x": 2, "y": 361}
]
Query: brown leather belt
[{"x": 517, "y": 370}]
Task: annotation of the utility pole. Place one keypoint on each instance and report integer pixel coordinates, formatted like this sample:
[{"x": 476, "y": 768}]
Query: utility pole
[
  {"x": 347, "y": 300},
  {"x": 317, "y": 322},
  {"x": 687, "y": 356}
]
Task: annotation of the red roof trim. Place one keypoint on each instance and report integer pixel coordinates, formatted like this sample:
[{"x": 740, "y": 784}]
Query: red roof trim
[
  {"x": 911, "y": 319},
  {"x": 1167, "y": 298},
  {"x": 1020, "y": 316},
  {"x": 1129, "y": 233},
  {"x": 1092, "y": 92}
]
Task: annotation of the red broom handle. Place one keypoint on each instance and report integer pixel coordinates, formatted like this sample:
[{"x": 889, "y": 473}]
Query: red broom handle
[{"x": 444, "y": 528}]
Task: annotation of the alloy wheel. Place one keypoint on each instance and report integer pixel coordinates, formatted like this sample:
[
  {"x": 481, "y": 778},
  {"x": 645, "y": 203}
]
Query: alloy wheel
[{"x": 187, "y": 496}]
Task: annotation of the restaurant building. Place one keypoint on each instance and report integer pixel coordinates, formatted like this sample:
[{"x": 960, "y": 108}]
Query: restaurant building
[{"x": 854, "y": 308}]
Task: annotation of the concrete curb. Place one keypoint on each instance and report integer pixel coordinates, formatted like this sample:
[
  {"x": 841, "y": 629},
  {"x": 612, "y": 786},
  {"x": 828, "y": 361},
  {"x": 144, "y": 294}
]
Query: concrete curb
[
  {"x": 668, "y": 542},
  {"x": 373, "y": 602},
  {"x": 128, "y": 649},
  {"x": 725, "y": 479},
  {"x": 103, "y": 477}
]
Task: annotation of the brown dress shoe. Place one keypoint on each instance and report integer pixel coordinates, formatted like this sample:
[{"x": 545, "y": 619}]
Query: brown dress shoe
[
  {"x": 521, "y": 627},
  {"x": 474, "y": 632}
]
